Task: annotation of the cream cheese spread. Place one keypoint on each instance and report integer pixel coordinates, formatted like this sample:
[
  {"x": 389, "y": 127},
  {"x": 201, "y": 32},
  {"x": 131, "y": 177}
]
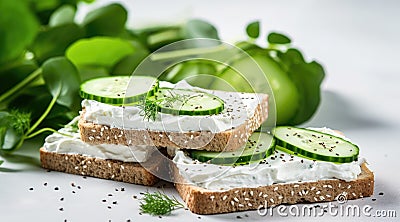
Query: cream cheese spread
[
  {"x": 238, "y": 108},
  {"x": 277, "y": 168},
  {"x": 70, "y": 143}
]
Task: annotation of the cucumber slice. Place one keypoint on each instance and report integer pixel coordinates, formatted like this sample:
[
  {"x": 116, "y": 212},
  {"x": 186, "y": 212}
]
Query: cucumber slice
[
  {"x": 187, "y": 102},
  {"x": 316, "y": 145},
  {"x": 114, "y": 89},
  {"x": 258, "y": 147}
]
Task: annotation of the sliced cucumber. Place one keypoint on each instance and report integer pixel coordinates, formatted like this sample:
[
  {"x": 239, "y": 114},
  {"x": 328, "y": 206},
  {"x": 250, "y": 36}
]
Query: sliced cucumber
[
  {"x": 187, "y": 102},
  {"x": 316, "y": 145},
  {"x": 115, "y": 90},
  {"x": 258, "y": 147}
]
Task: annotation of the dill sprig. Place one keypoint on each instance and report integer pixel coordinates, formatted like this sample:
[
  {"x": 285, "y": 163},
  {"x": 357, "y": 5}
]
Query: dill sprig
[
  {"x": 150, "y": 106},
  {"x": 20, "y": 121},
  {"x": 159, "y": 203}
]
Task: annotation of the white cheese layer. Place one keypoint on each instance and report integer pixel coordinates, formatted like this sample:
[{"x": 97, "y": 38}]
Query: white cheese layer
[
  {"x": 238, "y": 108},
  {"x": 72, "y": 144},
  {"x": 278, "y": 168}
]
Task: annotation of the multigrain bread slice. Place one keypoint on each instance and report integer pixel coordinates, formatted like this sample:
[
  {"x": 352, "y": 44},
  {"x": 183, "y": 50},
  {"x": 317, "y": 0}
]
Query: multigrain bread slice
[
  {"x": 203, "y": 201},
  {"x": 127, "y": 172},
  {"x": 227, "y": 140}
]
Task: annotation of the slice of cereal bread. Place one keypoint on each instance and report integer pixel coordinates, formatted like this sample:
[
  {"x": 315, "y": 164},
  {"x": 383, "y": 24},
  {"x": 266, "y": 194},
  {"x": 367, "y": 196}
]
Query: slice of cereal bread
[
  {"x": 128, "y": 172},
  {"x": 203, "y": 201},
  {"x": 227, "y": 140}
]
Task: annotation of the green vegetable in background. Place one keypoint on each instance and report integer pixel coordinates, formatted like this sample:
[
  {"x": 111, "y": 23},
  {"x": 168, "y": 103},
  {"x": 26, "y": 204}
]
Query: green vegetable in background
[{"x": 45, "y": 55}]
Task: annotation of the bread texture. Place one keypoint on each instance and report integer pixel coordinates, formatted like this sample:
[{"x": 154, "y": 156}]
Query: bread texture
[
  {"x": 106, "y": 169},
  {"x": 203, "y": 201},
  {"x": 227, "y": 140}
]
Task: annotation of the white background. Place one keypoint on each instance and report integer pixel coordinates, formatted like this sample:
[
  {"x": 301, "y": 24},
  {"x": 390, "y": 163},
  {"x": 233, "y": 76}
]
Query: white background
[{"x": 356, "y": 40}]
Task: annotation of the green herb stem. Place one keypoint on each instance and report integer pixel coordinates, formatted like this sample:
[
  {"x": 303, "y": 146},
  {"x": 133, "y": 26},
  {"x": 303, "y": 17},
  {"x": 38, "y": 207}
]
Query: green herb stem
[
  {"x": 44, "y": 115},
  {"x": 29, "y": 79},
  {"x": 45, "y": 130}
]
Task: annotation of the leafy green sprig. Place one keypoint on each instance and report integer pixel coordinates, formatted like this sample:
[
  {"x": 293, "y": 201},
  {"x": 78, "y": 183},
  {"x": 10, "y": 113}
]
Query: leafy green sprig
[
  {"x": 159, "y": 204},
  {"x": 151, "y": 106}
]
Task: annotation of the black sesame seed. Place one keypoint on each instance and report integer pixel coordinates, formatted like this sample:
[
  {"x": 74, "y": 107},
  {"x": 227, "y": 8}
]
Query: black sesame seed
[
  {"x": 84, "y": 177},
  {"x": 31, "y": 188},
  {"x": 246, "y": 215},
  {"x": 73, "y": 191},
  {"x": 199, "y": 217},
  {"x": 104, "y": 200},
  {"x": 116, "y": 189},
  {"x": 373, "y": 199},
  {"x": 45, "y": 184},
  {"x": 128, "y": 220},
  {"x": 381, "y": 194},
  {"x": 61, "y": 209},
  {"x": 110, "y": 195},
  {"x": 79, "y": 187},
  {"x": 238, "y": 217},
  {"x": 62, "y": 199},
  {"x": 115, "y": 202},
  {"x": 159, "y": 216},
  {"x": 56, "y": 188},
  {"x": 122, "y": 189},
  {"x": 73, "y": 184},
  {"x": 140, "y": 213},
  {"x": 109, "y": 207}
]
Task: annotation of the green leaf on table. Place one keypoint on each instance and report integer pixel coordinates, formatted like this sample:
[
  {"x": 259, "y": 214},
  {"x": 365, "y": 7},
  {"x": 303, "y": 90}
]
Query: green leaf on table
[
  {"x": 62, "y": 79},
  {"x": 278, "y": 38},
  {"x": 63, "y": 15},
  {"x": 54, "y": 41},
  {"x": 253, "y": 29},
  {"x": 109, "y": 20},
  {"x": 99, "y": 51},
  {"x": 308, "y": 78},
  {"x": 18, "y": 28}
]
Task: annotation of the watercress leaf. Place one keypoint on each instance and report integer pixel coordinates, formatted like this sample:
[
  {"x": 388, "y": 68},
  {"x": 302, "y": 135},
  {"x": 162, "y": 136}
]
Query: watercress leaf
[
  {"x": 99, "y": 51},
  {"x": 62, "y": 80},
  {"x": 308, "y": 78},
  {"x": 109, "y": 20},
  {"x": 196, "y": 28},
  {"x": 290, "y": 57},
  {"x": 63, "y": 15},
  {"x": 18, "y": 28},
  {"x": 53, "y": 41},
  {"x": 278, "y": 38},
  {"x": 253, "y": 29}
]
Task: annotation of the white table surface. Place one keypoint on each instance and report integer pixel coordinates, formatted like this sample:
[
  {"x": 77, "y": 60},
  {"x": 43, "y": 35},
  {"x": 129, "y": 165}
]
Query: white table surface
[{"x": 356, "y": 40}]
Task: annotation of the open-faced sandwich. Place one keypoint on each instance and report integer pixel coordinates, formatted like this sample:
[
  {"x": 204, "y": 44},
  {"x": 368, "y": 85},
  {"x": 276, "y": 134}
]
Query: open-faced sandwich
[{"x": 215, "y": 158}]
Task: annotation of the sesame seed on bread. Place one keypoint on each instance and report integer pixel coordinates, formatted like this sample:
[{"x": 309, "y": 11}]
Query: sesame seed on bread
[{"x": 203, "y": 201}]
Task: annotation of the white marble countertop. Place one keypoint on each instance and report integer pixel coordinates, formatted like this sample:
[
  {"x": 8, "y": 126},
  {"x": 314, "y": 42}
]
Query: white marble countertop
[{"x": 356, "y": 40}]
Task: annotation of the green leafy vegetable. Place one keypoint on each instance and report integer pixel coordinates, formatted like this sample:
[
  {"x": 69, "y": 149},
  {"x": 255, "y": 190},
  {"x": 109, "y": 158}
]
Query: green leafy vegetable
[
  {"x": 99, "y": 51},
  {"x": 18, "y": 28},
  {"x": 253, "y": 29},
  {"x": 277, "y": 38},
  {"x": 53, "y": 41},
  {"x": 63, "y": 81},
  {"x": 159, "y": 204},
  {"x": 63, "y": 15},
  {"x": 109, "y": 20}
]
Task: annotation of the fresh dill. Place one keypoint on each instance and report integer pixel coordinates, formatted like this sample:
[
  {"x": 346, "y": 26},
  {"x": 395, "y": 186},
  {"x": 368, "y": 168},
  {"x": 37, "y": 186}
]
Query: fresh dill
[
  {"x": 151, "y": 106},
  {"x": 20, "y": 121},
  {"x": 159, "y": 203}
]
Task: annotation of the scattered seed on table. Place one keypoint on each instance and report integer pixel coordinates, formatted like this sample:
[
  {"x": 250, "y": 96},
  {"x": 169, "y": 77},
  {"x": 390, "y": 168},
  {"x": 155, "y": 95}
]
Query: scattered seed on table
[
  {"x": 238, "y": 217},
  {"x": 73, "y": 191},
  {"x": 115, "y": 202},
  {"x": 134, "y": 197},
  {"x": 116, "y": 189},
  {"x": 122, "y": 189},
  {"x": 104, "y": 200},
  {"x": 31, "y": 188},
  {"x": 62, "y": 199},
  {"x": 61, "y": 209},
  {"x": 56, "y": 188},
  {"x": 79, "y": 187},
  {"x": 110, "y": 195},
  {"x": 373, "y": 199},
  {"x": 159, "y": 216},
  {"x": 381, "y": 194},
  {"x": 109, "y": 207},
  {"x": 73, "y": 184},
  {"x": 45, "y": 184}
]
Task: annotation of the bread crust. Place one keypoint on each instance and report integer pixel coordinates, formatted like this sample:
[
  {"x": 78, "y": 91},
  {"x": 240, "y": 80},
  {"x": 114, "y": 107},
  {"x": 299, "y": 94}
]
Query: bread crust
[
  {"x": 203, "y": 201},
  {"x": 106, "y": 169},
  {"x": 228, "y": 140}
]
